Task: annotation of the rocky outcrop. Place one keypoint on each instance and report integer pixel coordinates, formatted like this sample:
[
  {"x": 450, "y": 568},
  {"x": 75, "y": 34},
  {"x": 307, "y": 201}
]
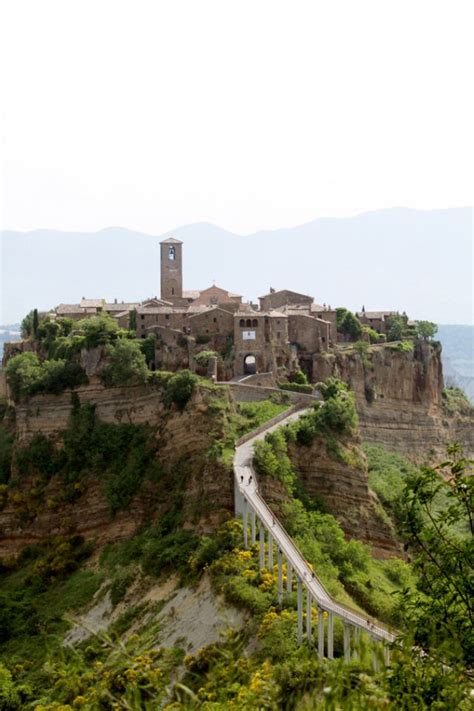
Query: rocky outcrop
[
  {"x": 202, "y": 485},
  {"x": 399, "y": 397},
  {"x": 340, "y": 484}
]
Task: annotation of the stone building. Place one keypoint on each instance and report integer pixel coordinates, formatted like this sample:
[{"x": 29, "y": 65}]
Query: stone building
[
  {"x": 285, "y": 297},
  {"x": 288, "y": 330},
  {"x": 379, "y": 320},
  {"x": 261, "y": 342}
]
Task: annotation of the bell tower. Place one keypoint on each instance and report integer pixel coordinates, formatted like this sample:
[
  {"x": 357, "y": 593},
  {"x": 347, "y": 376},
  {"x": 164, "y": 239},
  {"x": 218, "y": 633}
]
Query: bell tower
[{"x": 171, "y": 269}]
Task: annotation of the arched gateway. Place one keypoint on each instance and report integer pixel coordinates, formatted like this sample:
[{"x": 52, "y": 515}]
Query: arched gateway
[{"x": 250, "y": 364}]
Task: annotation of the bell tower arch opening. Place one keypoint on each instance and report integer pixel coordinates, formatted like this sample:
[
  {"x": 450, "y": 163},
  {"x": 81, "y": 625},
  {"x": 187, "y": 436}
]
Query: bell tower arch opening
[{"x": 171, "y": 269}]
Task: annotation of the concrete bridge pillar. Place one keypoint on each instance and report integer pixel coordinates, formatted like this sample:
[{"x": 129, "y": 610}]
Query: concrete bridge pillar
[
  {"x": 320, "y": 633},
  {"x": 299, "y": 597},
  {"x": 356, "y": 646},
  {"x": 375, "y": 659},
  {"x": 347, "y": 642},
  {"x": 308, "y": 614},
  {"x": 280, "y": 575},
  {"x": 270, "y": 551},
  {"x": 386, "y": 654},
  {"x": 261, "y": 535},
  {"x": 253, "y": 526},
  {"x": 289, "y": 577},
  {"x": 245, "y": 514},
  {"x": 330, "y": 635}
]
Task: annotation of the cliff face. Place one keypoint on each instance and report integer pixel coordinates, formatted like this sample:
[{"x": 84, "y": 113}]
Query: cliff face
[
  {"x": 202, "y": 485},
  {"x": 343, "y": 489},
  {"x": 399, "y": 397}
]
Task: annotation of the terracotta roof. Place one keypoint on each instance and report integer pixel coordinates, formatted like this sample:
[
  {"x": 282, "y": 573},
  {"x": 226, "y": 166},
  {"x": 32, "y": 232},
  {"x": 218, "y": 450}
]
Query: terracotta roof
[
  {"x": 191, "y": 294},
  {"x": 172, "y": 309},
  {"x": 282, "y": 291},
  {"x": 171, "y": 240},
  {"x": 92, "y": 303},
  {"x": 195, "y": 312},
  {"x": 68, "y": 309},
  {"x": 124, "y": 306},
  {"x": 377, "y": 314}
]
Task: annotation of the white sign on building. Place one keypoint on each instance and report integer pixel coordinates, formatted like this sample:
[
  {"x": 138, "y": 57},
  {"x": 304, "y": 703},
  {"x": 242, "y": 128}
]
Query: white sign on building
[{"x": 248, "y": 335}]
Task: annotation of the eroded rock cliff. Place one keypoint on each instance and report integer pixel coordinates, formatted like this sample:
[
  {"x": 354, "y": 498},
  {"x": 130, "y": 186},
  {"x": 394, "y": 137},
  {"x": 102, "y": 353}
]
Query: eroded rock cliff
[
  {"x": 35, "y": 510},
  {"x": 399, "y": 397}
]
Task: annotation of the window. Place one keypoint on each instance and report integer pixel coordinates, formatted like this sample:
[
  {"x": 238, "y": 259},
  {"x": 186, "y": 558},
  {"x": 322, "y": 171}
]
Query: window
[
  {"x": 167, "y": 317},
  {"x": 172, "y": 291},
  {"x": 249, "y": 323},
  {"x": 278, "y": 335},
  {"x": 172, "y": 253},
  {"x": 241, "y": 324},
  {"x": 215, "y": 320},
  {"x": 254, "y": 323},
  {"x": 142, "y": 316}
]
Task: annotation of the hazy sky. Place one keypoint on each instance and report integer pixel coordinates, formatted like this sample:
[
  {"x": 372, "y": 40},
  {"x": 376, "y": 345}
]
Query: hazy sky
[{"x": 251, "y": 114}]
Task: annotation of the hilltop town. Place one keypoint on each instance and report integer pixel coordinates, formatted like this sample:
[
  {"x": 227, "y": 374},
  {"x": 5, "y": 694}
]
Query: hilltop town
[{"x": 277, "y": 337}]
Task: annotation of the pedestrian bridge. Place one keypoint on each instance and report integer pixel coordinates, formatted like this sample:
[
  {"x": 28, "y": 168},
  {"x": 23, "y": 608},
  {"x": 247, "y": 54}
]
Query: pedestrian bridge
[{"x": 261, "y": 525}]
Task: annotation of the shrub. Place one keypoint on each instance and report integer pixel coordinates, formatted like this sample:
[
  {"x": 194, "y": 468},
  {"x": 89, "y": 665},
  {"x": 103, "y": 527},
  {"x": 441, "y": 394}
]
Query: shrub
[
  {"x": 202, "y": 338},
  {"x": 401, "y": 347},
  {"x": 395, "y": 328},
  {"x": 298, "y": 377},
  {"x": 296, "y": 387},
  {"x": 203, "y": 357},
  {"x": 180, "y": 388},
  {"x": 24, "y": 374},
  {"x": 336, "y": 416},
  {"x": 455, "y": 400},
  {"x": 127, "y": 364},
  {"x": 148, "y": 346},
  {"x": 374, "y": 336},
  {"x": 98, "y": 330}
]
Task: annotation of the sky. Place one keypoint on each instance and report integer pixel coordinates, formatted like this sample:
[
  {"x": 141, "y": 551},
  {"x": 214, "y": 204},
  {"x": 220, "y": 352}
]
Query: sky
[{"x": 249, "y": 114}]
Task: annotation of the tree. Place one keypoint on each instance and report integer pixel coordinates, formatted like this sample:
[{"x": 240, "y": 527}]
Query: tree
[
  {"x": 180, "y": 388},
  {"x": 127, "y": 364},
  {"x": 35, "y": 321},
  {"x": 438, "y": 521},
  {"x": 24, "y": 374},
  {"x": 395, "y": 328},
  {"x": 99, "y": 330},
  {"x": 132, "y": 320},
  {"x": 426, "y": 330},
  {"x": 351, "y": 326},
  {"x": 27, "y": 325}
]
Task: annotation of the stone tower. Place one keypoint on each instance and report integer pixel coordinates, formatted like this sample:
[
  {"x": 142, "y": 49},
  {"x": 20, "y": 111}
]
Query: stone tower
[{"x": 171, "y": 269}]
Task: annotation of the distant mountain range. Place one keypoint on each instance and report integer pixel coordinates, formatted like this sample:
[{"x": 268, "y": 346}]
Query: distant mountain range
[{"x": 412, "y": 260}]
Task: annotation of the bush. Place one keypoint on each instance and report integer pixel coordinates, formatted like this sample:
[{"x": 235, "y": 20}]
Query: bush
[
  {"x": 27, "y": 375},
  {"x": 336, "y": 416},
  {"x": 24, "y": 373},
  {"x": 455, "y": 401},
  {"x": 298, "y": 377},
  {"x": 98, "y": 330},
  {"x": 202, "y": 338},
  {"x": 127, "y": 364},
  {"x": 401, "y": 347},
  {"x": 296, "y": 387},
  {"x": 374, "y": 336},
  {"x": 148, "y": 346},
  {"x": 180, "y": 388},
  {"x": 203, "y": 357}
]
